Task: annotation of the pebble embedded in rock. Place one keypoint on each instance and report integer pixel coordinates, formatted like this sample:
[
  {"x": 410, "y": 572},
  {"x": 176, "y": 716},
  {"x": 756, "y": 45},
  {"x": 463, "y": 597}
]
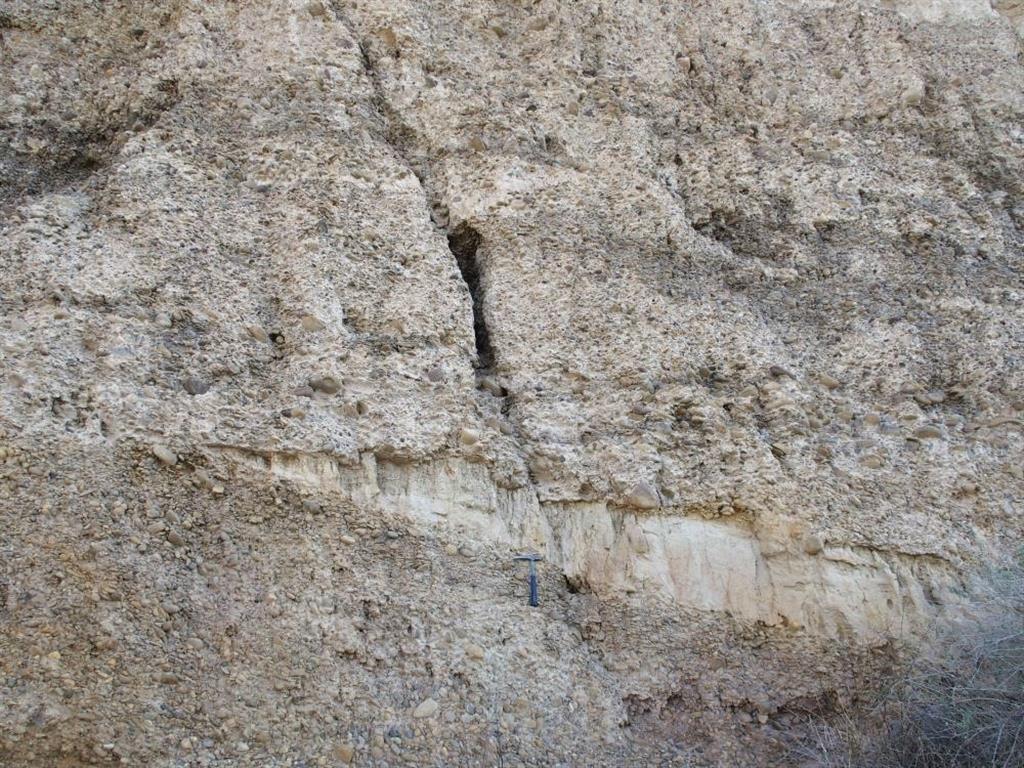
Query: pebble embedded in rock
[
  {"x": 326, "y": 384},
  {"x": 492, "y": 386},
  {"x": 257, "y": 333},
  {"x": 914, "y": 93},
  {"x": 643, "y": 496},
  {"x": 165, "y": 455},
  {"x": 932, "y": 397},
  {"x": 426, "y": 708},
  {"x": 828, "y": 382},
  {"x": 435, "y": 374},
  {"x": 195, "y": 386},
  {"x": 927, "y": 432},
  {"x": 311, "y": 323},
  {"x": 345, "y": 753},
  {"x": 813, "y": 544},
  {"x": 474, "y": 651}
]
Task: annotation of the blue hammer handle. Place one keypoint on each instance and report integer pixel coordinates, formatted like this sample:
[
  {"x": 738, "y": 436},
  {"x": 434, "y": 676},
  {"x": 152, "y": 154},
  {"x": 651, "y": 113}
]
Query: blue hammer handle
[{"x": 534, "y": 591}]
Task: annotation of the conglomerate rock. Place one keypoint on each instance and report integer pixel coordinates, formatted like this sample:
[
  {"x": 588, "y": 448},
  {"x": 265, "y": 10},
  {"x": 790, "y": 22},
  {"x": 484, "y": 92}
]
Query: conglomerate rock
[{"x": 314, "y": 313}]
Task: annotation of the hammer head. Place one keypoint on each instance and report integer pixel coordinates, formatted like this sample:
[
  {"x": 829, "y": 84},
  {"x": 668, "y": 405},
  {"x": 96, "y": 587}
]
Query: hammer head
[{"x": 529, "y": 556}]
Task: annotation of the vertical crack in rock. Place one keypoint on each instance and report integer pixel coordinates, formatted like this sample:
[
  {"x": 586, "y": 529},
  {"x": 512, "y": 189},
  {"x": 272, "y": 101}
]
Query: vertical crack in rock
[
  {"x": 396, "y": 133},
  {"x": 463, "y": 242}
]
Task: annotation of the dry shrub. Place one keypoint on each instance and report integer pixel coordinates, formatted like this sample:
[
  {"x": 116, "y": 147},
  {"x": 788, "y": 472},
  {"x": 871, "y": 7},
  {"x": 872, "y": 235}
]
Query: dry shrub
[{"x": 959, "y": 705}]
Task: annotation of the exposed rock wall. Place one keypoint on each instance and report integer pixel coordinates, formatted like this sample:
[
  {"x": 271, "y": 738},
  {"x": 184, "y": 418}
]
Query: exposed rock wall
[{"x": 314, "y": 312}]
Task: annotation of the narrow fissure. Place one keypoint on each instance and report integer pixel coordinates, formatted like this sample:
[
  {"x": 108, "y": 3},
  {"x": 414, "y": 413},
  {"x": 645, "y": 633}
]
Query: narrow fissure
[{"x": 463, "y": 242}]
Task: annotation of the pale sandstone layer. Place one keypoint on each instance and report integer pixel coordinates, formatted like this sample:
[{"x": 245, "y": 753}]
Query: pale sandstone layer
[{"x": 314, "y": 313}]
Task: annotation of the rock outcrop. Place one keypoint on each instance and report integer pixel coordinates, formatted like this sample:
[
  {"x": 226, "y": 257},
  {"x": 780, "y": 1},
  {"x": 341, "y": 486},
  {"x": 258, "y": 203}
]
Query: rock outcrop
[{"x": 316, "y": 312}]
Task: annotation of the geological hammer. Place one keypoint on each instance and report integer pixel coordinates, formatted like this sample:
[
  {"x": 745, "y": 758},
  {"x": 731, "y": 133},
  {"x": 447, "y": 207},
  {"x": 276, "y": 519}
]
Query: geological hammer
[{"x": 532, "y": 559}]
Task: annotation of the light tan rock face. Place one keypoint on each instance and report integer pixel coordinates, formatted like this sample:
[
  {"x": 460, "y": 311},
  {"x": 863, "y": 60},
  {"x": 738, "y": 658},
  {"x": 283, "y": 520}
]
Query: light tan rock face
[{"x": 314, "y": 313}]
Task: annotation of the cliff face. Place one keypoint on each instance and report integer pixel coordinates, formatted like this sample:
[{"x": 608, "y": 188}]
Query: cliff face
[{"x": 314, "y": 313}]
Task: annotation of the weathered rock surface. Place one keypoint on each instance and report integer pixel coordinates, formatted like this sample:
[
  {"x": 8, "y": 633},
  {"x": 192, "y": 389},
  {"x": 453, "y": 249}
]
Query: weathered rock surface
[{"x": 316, "y": 312}]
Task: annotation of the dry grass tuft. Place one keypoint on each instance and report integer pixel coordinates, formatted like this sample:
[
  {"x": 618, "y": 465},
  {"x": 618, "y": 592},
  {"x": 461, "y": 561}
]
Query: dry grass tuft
[{"x": 960, "y": 704}]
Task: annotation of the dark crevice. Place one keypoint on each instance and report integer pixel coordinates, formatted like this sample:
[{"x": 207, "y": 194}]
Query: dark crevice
[{"x": 463, "y": 242}]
